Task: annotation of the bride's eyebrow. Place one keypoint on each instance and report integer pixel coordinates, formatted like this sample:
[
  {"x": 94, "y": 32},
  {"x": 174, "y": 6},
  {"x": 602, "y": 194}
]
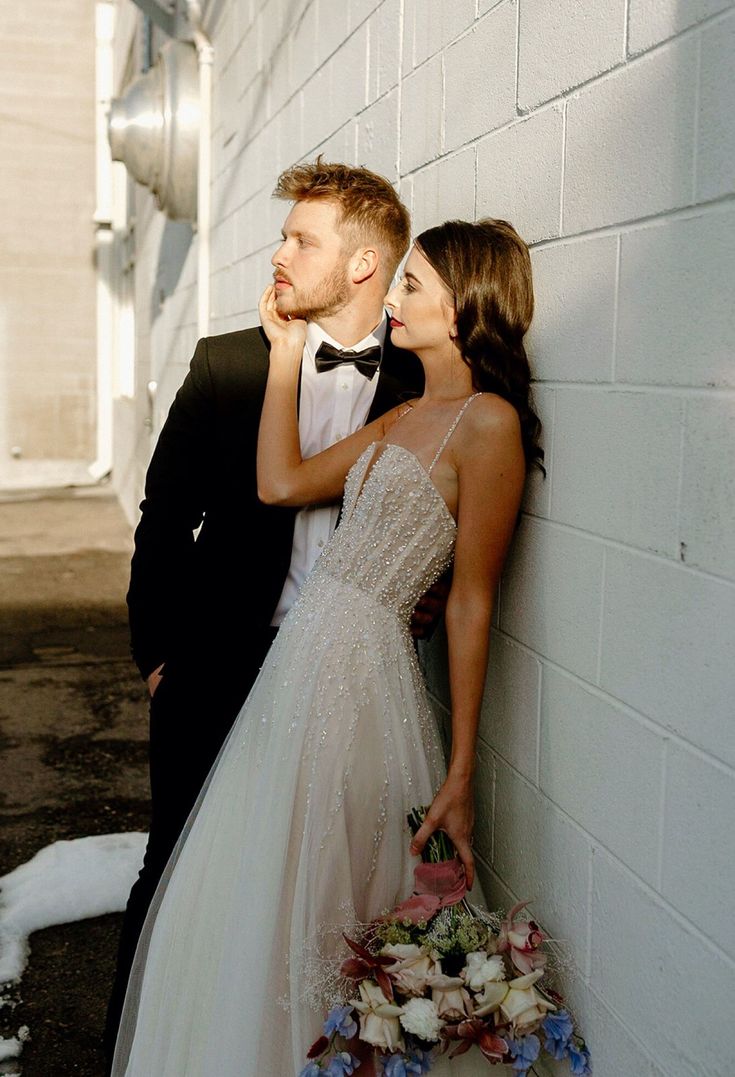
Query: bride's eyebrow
[{"x": 412, "y": 277}]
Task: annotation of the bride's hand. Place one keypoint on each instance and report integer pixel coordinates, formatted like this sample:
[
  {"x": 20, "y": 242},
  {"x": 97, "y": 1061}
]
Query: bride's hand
[
  {"x": 280, "y": 330},
  {"x": 452, "y": 811}
]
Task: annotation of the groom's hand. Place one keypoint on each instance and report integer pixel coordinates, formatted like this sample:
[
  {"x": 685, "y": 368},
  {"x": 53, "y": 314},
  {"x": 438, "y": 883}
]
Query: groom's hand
[{"x": 429, "y": 608}]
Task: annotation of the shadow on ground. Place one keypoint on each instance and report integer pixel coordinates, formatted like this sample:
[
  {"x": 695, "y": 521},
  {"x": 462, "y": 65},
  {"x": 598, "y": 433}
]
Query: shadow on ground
[{"x": 73, "y": 748}]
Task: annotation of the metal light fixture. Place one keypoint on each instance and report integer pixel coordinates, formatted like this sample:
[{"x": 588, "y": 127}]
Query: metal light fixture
[{"x": 154, "y": 129}]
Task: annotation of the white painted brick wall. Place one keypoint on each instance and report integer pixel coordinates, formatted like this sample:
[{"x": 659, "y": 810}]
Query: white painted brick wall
[{"x": 604, "y": 131}]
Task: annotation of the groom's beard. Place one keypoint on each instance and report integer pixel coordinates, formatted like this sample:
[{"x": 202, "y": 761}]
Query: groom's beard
[{"x": 329, "y": 297}]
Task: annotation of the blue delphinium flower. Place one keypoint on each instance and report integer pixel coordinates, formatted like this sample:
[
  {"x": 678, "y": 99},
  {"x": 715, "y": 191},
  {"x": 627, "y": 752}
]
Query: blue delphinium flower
[
  {"x": 395, "y": 1066},
  {"x": 342, "y": 1065},
  {"x": 525, "y": 1051},
  {"x": 415, "y": 1062},
  {"x": 579, "y": 1060},
  {"x": 311, "y": 1069},
  {"x": 558, "y": 1028},
  {"x": 340, "y": 1020},
  {"x": 419, "y": 1062}
]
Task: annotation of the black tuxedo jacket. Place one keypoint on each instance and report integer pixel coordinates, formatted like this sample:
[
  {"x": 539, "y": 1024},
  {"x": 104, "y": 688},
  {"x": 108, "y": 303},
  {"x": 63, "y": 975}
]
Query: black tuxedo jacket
[{"x": 202, "y": 602}]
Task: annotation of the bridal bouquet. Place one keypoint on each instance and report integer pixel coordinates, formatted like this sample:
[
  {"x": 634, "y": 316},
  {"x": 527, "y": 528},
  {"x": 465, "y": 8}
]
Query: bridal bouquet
[{"x": 438, "y": 975}]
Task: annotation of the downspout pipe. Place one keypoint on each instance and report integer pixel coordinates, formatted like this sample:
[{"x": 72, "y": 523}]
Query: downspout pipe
[
  {"x": 104, "y": 237},
  {"x": 205, "y": 58}
]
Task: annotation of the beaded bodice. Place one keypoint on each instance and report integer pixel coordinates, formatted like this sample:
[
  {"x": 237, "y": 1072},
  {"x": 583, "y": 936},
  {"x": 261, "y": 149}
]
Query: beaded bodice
[{"x": 397, "y": 535}]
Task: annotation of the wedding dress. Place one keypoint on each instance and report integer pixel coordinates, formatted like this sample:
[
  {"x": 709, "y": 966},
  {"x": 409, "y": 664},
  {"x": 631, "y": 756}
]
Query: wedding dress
[{"x": 301, "y": 827}]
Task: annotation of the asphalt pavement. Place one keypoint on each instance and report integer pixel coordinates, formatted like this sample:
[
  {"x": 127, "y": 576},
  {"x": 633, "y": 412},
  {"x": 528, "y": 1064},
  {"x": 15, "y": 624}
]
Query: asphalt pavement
[{"x": 73, "y": 746}]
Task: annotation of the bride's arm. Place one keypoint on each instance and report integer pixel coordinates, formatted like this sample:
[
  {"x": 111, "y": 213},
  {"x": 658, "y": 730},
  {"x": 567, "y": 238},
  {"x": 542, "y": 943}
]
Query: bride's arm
[
  {"x": 491, "y": 471},
  {"x": 284, "y": 478}
]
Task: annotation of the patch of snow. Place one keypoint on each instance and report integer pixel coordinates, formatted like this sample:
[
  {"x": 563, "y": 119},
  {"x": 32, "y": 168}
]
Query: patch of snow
[
  {"x": 12, "y": 1048},
  {"x": 66, "y": 881}
]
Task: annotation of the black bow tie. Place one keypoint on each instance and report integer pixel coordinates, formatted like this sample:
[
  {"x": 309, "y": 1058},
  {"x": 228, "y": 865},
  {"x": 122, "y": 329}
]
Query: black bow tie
[{"x": 366, "y": 361}]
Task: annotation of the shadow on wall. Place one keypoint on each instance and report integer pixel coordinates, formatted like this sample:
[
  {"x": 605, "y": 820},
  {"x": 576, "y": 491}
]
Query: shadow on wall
[
  {"x": 176, "y": 240},
  {"x": 254, "y": 112}
]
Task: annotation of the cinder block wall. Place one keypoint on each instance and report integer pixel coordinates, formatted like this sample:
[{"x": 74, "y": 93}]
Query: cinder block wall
[
  {"x": 47, "y": 279},
  {"x": 603, "y": 130}
]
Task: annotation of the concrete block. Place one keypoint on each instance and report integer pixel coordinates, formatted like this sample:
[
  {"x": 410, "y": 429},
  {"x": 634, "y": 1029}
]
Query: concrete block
[
  {"x": 316, "y": 110},
  {"x": 707, "y": 513},
  {"x": 630, "y": 141},
  {"x": 615, "y": 1051},
  {"x": 360, "y": 10},
  {"x": 444, "y": 190},
  {"x": 510, "y": 707},
  {"x": 385, "y": 48},
  {"x": 430, "y": 25},
  {"x": 550, "y": 594},
  {"x": 348, "y": 78},
  {"x": 484, "y": 789},
  {"x": 603, "y": 768},
  {"x": 278, "y": 74},
  {"x": 667, "y": 638},
  {"x": 715, "y": 165},
  {"x": 571, "y": 336},
  {"x": 340, "y": 146},
  {"x": 377, "y": 136},
  {"x": 537, "y": 491},
  {"x": 676, "y": 321},
  {"x": 541, "y": 856},
  {"x": 698, "y": 872},
  {"x": 304, "y": 50},
  {"x": 480, "y": 78},
  {"x": 334, "y": 27},
  {"x": 421, "y": 116},
  {"x": 563, "y": 43},
  {"x": 519, "y": 174},
  {"x": 251, "y": 113},
  {"x": 616, "y": 465},
  {"x": 651, "y": 22},
  {"x": 289, "y": 131},
  {"x": 659, "y": 978}
]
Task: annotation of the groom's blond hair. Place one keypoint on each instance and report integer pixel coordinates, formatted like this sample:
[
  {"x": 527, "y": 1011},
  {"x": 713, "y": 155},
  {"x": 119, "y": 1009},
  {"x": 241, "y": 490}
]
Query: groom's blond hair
[{"x": 370, "y": 210}]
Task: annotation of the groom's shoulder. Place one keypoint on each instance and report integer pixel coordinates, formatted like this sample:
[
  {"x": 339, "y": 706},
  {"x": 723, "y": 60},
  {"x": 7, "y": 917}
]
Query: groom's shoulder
[
  {"x": 229, "y": 349},
  {"x": 231, "y": 361}
]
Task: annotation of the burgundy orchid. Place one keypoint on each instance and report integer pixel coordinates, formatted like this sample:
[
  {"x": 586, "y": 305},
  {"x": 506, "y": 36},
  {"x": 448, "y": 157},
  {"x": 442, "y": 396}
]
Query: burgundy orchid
[
  {"x": 318, "y": 1047},
  {"x": 494, "y": 1047},
  {"x": 367, "y": 964}
]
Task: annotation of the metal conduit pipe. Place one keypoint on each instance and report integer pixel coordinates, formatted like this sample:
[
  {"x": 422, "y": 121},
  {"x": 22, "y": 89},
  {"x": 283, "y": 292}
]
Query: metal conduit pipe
[{"x": 205, "y": 59}]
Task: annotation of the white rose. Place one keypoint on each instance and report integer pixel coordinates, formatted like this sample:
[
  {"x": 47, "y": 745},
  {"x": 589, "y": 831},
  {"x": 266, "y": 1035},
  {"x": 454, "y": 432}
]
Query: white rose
[
  {"x": 491, "y": 998},
  {"x": 451, "y": 998},
  {"x": 412, "y": 967},
  {"x": 421, "y": 1017},
  {"x": 481, "y": 969},
  {"x": 523, "y": 1006},
  {"x": 379, "y": 1018}
]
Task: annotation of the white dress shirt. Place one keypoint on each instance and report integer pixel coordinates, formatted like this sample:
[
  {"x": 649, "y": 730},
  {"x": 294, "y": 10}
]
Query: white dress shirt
[{"x": 332, "y": 404}]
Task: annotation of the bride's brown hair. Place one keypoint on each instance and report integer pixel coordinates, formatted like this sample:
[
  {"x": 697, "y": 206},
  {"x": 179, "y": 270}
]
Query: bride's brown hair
[{"x": 486, "y": 266}]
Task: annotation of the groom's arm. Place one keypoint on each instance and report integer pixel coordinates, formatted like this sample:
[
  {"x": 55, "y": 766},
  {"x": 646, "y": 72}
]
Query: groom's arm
[{"x": 173, "y": 507}]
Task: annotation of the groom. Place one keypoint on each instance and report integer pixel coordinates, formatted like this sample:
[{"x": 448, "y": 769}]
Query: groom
[{"x": 204, "y": 611}]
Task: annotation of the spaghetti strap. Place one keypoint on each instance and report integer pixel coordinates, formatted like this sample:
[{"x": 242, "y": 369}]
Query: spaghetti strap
[{"x": 451, "y": 429}]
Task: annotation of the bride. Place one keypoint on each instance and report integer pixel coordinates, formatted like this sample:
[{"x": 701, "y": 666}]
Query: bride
[{"x": 300, "y": 828}]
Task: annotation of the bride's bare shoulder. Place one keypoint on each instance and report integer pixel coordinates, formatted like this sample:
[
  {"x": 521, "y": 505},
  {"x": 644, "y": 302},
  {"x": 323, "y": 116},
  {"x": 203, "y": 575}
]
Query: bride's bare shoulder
[{"x": 491, "y": 419}]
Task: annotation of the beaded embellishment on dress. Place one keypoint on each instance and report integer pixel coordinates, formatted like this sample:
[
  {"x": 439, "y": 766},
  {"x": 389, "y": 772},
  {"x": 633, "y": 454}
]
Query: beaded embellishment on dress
[{"x": 302, "y": 819}]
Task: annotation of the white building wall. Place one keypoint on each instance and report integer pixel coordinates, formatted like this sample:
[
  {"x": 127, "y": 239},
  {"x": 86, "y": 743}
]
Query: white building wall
[{"x": 604, "y": 132}]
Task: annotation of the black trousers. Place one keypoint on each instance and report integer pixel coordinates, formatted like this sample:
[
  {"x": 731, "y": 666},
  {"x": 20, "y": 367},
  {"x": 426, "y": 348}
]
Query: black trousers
[{"x": 191, "y": 713}]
